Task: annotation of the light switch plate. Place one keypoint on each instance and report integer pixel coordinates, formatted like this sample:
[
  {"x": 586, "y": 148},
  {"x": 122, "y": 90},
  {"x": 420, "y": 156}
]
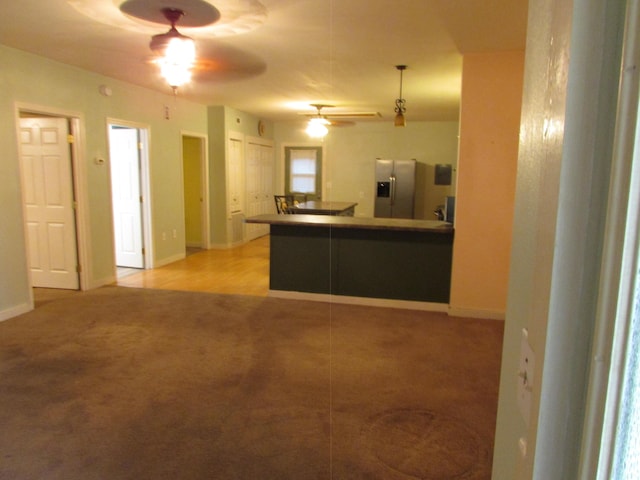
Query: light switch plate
[{"x": 525, "y": 377}]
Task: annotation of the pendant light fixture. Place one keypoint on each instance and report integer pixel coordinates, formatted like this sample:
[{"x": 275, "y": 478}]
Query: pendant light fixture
[
  {"x": 400, "y": 121},
  {"x": 176, "y": 52}
]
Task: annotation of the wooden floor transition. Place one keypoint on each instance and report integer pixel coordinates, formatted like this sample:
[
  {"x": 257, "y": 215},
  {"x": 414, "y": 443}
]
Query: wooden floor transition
[{"x": 240, "y": 270}]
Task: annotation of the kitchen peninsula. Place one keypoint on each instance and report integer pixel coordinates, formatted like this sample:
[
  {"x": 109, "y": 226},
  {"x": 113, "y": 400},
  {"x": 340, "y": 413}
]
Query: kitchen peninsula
[
  {"x": 315, "y": 207},
  {"x": 382, "y": 258}
]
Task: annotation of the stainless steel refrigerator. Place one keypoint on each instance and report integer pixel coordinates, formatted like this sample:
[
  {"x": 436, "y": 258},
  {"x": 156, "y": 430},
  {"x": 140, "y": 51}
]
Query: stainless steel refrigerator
[{"x": 395, "y": 188}]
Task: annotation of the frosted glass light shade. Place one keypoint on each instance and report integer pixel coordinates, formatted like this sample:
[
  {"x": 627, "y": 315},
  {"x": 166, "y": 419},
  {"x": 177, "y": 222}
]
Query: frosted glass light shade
[
  {"x": 317, "y": 127},
  {"x": 178, "y": 59}
]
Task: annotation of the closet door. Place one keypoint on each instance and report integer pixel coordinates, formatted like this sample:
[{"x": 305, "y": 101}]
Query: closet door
[
  {"x": 236, "y": 183},
  {"x": 259, "y": 187},
  {"x": 254, "y": 199},
  {"x": 267, "y": 166}
]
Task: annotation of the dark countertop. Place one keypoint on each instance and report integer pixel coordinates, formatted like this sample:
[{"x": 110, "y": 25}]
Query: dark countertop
[
  {"x": 354, "y": 222},
  {"x": 316, "y": 207}
]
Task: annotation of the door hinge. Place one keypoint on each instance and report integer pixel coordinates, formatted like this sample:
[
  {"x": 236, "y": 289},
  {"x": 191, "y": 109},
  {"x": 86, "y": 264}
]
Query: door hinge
[
  {"x": 78, "y": 269},
  {"x": 143, "y": 252},
  {"x": 141, "y": 199},
  {"x": 139, "y": 145},
  {"x": 75, "y": 205},
  {"x": 70, "y": 138}
]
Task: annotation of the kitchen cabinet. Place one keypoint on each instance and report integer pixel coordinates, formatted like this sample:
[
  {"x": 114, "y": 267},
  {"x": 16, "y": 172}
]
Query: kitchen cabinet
[{"x": 382, "y": 258}]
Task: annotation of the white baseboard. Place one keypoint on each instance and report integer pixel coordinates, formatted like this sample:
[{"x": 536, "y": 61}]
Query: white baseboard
[
  {"x": 168, "y": 260},
  {"x": 391, "y": 303},
  {"x": 15, "y": 311},
  {"x": 222, "y": 246},
  {"x": 476, "y": 313},
  {"x": 370, "y": 302}
]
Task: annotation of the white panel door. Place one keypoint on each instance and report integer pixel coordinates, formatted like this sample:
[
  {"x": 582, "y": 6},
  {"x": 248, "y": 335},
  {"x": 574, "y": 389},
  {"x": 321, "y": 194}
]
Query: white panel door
[
  {"x": 268, "y": 204},
  {"x": 259, "y": 175},
  {"x": 45, "y": 160},
  {"x": 253, "y": 190},
  {"x": 235, "y": 175},
  {"x": 125, "y": 192}
]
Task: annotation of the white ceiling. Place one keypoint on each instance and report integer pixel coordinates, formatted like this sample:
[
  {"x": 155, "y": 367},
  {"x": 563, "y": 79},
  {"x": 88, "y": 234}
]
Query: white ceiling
[{"x": 272, "y": 58}]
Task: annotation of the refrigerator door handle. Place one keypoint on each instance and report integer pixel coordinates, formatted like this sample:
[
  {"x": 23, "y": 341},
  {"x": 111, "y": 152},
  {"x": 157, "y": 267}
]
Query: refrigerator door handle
[{"x": 392, "y": 180}]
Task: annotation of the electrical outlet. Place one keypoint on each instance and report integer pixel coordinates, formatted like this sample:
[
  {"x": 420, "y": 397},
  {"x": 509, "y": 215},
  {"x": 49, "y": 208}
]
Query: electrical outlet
[
  {"x": 175, "y": 233},
  {"x": 164, "y": 235}
]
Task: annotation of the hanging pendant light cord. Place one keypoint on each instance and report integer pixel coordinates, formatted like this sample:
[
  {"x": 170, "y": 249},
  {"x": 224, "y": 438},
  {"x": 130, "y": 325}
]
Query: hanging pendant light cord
[{"x": 400, "y": 108}]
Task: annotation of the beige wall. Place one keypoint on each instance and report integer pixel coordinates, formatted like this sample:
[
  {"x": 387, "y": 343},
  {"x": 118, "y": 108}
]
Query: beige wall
[{"x": 488, "y": 154}]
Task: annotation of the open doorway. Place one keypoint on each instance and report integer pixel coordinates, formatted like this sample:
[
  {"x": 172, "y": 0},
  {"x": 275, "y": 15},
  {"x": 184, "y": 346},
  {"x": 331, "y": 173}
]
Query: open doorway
[
  {"x": 128, "y": 160},
  {"x": 195, "y": 188}
]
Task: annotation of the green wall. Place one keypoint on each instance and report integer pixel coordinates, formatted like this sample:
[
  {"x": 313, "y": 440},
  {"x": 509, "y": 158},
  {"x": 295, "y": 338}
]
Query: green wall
[
  {"x": 350, "y": 154},
  {"x": 217, "y": 172},
  {"x": 40, "y": 84},
  {"x": 221, "y": 121},
  {"x": 30, "y": 81}
]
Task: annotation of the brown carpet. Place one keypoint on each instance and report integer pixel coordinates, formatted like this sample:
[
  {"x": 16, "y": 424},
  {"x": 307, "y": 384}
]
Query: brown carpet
[{"x": 125, "y": 383}]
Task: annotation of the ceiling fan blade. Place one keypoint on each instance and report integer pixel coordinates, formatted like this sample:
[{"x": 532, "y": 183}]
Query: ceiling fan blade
[
  {"x": 343, "y": 114},
  {"x": 353, "y": 115},
  {"x": 341, "y": 123},
  {"x": 328, "y": 117}
]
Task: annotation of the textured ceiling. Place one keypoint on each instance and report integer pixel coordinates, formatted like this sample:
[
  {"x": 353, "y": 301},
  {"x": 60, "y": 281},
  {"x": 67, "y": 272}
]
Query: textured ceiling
[{"x": 272, "y": 58}]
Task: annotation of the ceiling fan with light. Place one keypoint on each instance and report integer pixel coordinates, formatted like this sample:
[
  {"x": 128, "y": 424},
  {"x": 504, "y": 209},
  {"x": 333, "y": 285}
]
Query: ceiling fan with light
[
  {"x": 174, "y": 53},
  {"x": 319, "y": 122}
]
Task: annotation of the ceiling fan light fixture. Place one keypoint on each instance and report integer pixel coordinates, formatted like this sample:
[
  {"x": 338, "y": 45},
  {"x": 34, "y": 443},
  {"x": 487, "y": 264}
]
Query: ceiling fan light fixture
[
  {"x": 176, "y": 52},
  {"x": 317, "y": 127},
  {"x": 175, "y": 74},
  {"x": 400, "y": 108},
  {"x": 160, "y": 43}
]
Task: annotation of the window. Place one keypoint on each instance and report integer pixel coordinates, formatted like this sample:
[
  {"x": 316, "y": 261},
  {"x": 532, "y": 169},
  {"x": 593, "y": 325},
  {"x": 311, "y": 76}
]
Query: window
[{"x": 303, "y": 172}]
